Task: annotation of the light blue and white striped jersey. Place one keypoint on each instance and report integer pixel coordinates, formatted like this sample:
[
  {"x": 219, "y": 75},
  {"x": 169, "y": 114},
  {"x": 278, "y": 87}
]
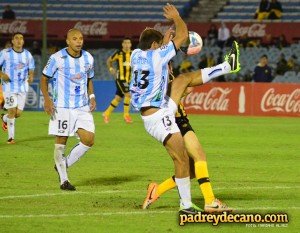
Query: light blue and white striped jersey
[
  {"x": 150, "y": 76},
  {"x": 70, "y": 76},
  {"x": 16, "y": 65}
]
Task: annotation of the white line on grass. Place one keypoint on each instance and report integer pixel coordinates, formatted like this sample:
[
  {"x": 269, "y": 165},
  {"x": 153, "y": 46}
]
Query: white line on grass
[
  {"x": 131, "y": 213},
  {"x": 128, "y": 191}
]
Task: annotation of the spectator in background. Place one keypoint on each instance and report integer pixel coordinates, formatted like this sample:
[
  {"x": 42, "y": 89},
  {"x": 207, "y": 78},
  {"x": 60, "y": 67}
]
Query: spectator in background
[
  {"x": 223, "y": 35},
  {"x": 203, "y": 62},
  {"x": 281, "y": 65},
  {"x": 210, "y": 60},
  {"x": 263, "y": 72},
  {"x": 275, "y": 10},
  {"x": 292, "y": 64},
  {"x": 267, "y": 41},
  {"x": 212, "y": 36},
  {"x": 281, "y": 42},
  {"x": 8, "y": 13},
  {"x": 263, "y": 11},
  {"x": 8, "y": 44},
  {"x": 36, "y": 50}
]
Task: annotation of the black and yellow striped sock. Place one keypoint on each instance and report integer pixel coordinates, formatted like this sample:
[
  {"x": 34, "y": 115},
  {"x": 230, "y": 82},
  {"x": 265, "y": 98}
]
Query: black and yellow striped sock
[
  {"x": 126, "y": 106},
  {"x": 204, "y": 182},
  {"x": 113, "y": 104}
]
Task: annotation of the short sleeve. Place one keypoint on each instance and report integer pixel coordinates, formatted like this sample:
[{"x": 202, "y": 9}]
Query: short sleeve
[
  {"x": 31, "y": 62},
  {"x": 50, "y": 67},
  {"x": 92, "y": 71},
  {"x": 166, "y": 52},
  {"x": 1, "y": 58}
]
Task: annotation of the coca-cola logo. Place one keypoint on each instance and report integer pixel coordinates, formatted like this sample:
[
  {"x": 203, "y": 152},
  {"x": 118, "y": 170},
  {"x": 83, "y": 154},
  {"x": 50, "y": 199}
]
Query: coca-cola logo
[
  {"x": 13, "y": 27},
  {"x": 92, "y": 29},
  {"x": 254, "y": 30},
  {"x": 281, "y": 102},
  {"x": 215, "y": 99}
]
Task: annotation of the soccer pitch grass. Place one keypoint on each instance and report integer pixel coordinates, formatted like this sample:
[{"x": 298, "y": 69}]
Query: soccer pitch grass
[{"x": 253, "y": 165}]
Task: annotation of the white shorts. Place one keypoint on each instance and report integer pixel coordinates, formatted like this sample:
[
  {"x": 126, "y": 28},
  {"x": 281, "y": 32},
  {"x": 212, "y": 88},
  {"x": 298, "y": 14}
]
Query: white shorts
[
  {"x": 13, "y": 100},
  {"x": 66, "y": 122},
  {"x": 162, "y": 123}
]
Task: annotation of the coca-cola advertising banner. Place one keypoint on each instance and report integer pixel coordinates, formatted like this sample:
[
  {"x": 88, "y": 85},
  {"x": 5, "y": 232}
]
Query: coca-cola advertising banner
[
  {"x": 255, "y": 99},
  {"x": 100, "y": 30}
]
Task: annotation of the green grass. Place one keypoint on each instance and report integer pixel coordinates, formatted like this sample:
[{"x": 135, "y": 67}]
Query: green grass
[{"x": 253, "y": 165}]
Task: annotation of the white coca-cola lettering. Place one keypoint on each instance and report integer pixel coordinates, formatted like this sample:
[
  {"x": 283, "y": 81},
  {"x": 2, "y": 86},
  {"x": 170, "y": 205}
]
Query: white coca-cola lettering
[
  {"x": 254, "y": 30},
  {"x": 213, "y": 100},
  {"x": 281, "y": 102},
  {"x": 161, "y": 28},
  {"x": 13, "y": 27},
  {"x": 92, "y": 29}
]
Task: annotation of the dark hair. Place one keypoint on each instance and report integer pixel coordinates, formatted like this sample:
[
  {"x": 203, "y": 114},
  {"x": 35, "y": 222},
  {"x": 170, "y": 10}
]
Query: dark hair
[
  {"x": 16, "y": 33},
  {"x": 264, "y": 56},
  {"x": 126, "y": 38},
  {"x": 148, "y": 36}
]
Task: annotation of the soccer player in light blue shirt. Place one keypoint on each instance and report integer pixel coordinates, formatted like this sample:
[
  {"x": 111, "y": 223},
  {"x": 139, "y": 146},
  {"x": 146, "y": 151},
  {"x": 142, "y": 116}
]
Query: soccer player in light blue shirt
[
  {"x": 73, "y": 100},
  {"x": 17, "y": 71},
  {"x": 148, "y": 87}
]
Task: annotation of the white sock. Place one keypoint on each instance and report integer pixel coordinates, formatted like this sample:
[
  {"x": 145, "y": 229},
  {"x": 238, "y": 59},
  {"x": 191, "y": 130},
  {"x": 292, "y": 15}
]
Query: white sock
[
  {"x": 184, "y": 189},
  {"x": 60, "y": 162},
  {"x": 76, "y": 153},
  {"x": 5, "y": 118},
  {"x": 215, "y": 71},
  {"x": 11, "y": 128}
]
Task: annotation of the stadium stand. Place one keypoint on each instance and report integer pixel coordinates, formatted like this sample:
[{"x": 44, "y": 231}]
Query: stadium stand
[
  {"x": 113, "y": 10},
  {"x": 244, "y": 10}
]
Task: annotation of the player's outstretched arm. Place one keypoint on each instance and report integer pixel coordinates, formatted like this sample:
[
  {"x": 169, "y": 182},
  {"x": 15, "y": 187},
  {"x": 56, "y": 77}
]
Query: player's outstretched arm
[
  {"x": 181, "y": 31},
  {"x": 48, "y": 105}
]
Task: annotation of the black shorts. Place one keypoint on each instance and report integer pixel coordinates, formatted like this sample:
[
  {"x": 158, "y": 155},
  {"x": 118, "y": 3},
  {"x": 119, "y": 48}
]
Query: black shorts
[
  {"x": 122, "y": 87},
  {"x": 183, "y": 125}
]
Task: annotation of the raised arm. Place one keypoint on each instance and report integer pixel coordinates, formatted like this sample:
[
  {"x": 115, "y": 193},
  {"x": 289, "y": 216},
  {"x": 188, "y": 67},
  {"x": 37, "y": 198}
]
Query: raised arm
[{"x": 181, "y": 31}]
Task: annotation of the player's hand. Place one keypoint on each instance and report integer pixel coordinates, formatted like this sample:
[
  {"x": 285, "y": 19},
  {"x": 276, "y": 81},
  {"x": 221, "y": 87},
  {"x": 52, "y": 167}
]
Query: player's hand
[
  {"x": 92, "y": 104},
  {"x": 170, "y": 12},
  {"x": 49, "y": 106},
  {"x": 113, "y": 71},
  {"x": 168, "y": 36},
  {"x": 5, "y": 77}
]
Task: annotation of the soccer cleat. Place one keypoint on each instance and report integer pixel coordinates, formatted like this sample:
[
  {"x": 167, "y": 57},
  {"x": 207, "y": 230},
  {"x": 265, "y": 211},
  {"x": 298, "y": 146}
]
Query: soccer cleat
[
  {"x": 191, "y": 210},
  {"x": 151, "y": 195},
  {"x": 11, "y": 141},
  {"x": 128, "y": 119},
  {"x": 216, "y": 207},
  {"x": 233, "y": 58},
  {"x": 105, "y": 118},
  {"x": 4, "y": 124},
  {"x": 67, "y": 186}
]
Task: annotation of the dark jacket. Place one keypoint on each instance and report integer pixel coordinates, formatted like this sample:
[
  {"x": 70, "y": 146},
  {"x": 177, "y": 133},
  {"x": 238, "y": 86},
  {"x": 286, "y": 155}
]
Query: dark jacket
[{"x": 262, "y": 74}]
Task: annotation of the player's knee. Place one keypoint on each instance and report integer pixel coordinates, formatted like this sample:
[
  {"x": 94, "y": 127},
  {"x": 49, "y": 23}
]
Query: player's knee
[
  {"x": 18, "y": 114},
  {"x": 88, "y": 141}
]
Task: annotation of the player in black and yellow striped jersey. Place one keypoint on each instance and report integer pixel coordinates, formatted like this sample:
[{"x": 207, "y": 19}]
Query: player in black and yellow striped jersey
[
  {"x": 122, "y": 77},
  {"x": 198, "y": 165}
]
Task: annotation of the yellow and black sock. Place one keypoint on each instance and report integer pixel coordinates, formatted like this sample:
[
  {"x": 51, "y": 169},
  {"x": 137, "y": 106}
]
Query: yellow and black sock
[
  {"x": 204, "y": 182},
  {"x": 126, "y": 106},
  {"x": 166, "y": 185},
  {"x": 113, "y": 104}
]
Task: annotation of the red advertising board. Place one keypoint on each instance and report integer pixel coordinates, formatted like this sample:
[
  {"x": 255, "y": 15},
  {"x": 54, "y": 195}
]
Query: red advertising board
[
  {"x": 255, "y": 99},
  {"x": 104, "y": 31}
]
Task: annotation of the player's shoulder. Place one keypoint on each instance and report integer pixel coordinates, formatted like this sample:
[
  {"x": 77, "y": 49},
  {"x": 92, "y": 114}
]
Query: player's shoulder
[
  {"x": 7, "y": 50},
  {"x": 86, "y": 53}
]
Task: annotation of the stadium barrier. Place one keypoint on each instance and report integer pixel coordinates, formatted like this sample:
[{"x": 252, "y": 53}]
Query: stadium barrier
[
  {"x": 107, "y": 31},
  {"x": 251, "y": 99}
]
